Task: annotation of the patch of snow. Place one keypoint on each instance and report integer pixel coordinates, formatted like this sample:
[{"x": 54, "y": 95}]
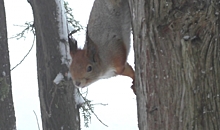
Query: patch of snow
[
  {"x": 64, "y": 50},
  {"x": 62, "y": 21},
  {"x": 58, "y": 78},
  {"x": 186, "y": 37},
  {"x": 63, "y": 32},
  {"x": 3, "y": 73},
  {"x": 78, "y": 98}
]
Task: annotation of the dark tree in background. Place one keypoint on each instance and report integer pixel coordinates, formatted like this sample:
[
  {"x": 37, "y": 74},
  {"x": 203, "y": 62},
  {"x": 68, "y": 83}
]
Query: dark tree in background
[
  {"x": 58, "y": 108},
  {"x": 7, "y": 114},
  {"x": 177, "y": 54}
]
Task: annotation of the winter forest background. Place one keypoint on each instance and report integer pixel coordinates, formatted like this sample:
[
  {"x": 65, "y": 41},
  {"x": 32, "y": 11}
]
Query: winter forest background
[
  {"x": 119, "y": 111},
  {"x": 177, "y": 69}
]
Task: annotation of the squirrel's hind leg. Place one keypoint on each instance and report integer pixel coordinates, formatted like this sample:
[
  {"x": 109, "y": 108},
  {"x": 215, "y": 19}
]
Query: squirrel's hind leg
[{"x": 128, "y": 71}]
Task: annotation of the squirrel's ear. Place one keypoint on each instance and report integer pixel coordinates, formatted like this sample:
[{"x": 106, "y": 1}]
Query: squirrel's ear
[
  {"x": 72, "y": 44},
  {"x": 92, "y": 51}
]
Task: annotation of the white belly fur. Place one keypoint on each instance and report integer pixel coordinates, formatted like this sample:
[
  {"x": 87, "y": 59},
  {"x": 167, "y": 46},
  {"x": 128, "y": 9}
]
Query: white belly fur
[{"x": 109, "y": 73}]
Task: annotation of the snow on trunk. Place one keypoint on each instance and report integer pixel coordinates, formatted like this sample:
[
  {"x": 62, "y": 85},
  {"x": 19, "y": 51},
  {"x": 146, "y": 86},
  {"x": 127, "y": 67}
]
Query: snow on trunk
[
  {"x": 63, "y": 32},
  {"x": 63, "y": 45}
]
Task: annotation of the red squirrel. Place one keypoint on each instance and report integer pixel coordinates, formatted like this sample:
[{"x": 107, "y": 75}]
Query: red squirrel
[{"x": 107, "y": 44}]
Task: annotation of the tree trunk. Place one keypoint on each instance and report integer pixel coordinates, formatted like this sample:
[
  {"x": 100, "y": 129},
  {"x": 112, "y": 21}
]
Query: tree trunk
[
  {"x": 177, "y": 55},
  {"x": 7, "y": 114},
  {"x": 58, "y": 108}
]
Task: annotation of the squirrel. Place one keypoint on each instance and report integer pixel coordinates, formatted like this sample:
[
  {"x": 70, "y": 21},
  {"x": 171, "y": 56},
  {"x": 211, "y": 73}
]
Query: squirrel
[{"x": 107, "y": 44}]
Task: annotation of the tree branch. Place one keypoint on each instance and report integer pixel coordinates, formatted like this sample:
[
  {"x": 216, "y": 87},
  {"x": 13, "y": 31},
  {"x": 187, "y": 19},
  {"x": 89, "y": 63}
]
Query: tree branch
[
  {"x": 37, "y": 120},
  {"x": 25, "y": 55}
]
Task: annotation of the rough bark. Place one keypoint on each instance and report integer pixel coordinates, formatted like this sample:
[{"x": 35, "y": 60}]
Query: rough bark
[
  {"x": 177, "y": 55},
  {"x": 58, "y": 108},
  {"x": 7, "y": 114}
]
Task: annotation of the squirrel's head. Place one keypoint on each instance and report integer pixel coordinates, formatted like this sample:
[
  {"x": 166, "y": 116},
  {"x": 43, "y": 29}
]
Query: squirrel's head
[{"x": 84, "y": 67}]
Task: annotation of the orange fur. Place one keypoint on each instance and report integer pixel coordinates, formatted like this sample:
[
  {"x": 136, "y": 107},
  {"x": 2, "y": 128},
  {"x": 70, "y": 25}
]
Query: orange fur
[{"x": 108, "y": 43}]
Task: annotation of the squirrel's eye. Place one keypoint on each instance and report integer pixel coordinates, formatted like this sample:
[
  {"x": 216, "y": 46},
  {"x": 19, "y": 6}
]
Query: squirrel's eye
[{"x": 89, "y": 68}]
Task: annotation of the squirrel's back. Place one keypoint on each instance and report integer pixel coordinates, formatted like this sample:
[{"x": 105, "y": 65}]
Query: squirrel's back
[{"x": 110, "y": 21}]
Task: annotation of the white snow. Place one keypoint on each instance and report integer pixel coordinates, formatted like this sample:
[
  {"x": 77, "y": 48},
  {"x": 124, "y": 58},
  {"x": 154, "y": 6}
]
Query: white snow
[
  {"x": 63, "y": 32},
  {"x": 186, "y": 37},
  {"x": 62, "y": 21},
  {"x": 58, "y": 78},
  {"x": 78, "y": 98},
  {"x": 3, "y": 73},
  {"x": 64, "y": 50}
]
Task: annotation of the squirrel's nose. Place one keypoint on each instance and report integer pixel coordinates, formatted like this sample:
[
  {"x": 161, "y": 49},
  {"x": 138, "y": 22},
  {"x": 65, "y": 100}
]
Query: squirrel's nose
[{"x": 77, "y": 83}]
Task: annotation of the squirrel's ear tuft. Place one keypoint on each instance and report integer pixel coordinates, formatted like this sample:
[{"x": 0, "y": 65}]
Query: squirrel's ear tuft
[
  {"x": 92, "y": 51},
  {"x": 72, "y": 44}
]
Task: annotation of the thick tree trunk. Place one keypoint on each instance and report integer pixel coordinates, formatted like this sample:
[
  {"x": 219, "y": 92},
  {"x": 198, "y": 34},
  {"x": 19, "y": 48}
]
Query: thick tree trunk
[
  {"x": 177, "y": 53},
  {"x": 7, "y": 114},
  {"x": 58, "y": 108}
]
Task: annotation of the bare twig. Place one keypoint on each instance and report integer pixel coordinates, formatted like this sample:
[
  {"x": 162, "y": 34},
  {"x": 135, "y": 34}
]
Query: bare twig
[
  {"x": 37, "y": 120},
  {"x": 92, "y": 110},
  {"x": 25, "y": 55},
  {"x": 70, "y": 18},
  {"x": 28, "y": 26},
  {"x": 72, "y": 32},
  {"x": 86, "y": 92},
  {"x": 100, "y": 104}
]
